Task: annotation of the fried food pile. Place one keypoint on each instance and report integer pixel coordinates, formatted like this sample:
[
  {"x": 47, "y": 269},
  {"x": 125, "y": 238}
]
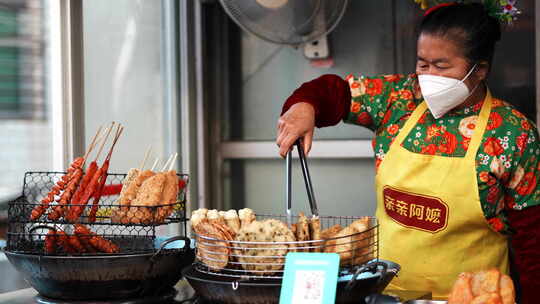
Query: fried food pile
[
  {"x": 146, "y": 197},
  {"x": 482, "y": 287},
  {"x": 260, "y": 246}
]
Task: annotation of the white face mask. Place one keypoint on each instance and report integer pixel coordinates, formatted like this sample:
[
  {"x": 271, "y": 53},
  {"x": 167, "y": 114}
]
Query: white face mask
[{"x": 442, "y": 94}]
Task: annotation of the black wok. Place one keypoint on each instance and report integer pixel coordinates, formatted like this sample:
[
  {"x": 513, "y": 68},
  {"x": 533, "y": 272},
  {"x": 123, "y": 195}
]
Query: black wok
[
  {"x": 369, "y": 279},
  {"x": 105, "y": 277}
]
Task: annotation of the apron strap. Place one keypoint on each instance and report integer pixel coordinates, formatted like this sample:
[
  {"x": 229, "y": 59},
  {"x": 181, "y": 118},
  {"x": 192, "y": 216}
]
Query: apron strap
[
  {"x": 410, "y": 123},
  {"x": 479, "y": 130},
  {"x": 480, "y": 127}
]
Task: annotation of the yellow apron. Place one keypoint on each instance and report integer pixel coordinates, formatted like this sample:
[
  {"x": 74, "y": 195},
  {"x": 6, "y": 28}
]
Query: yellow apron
[{"x": 431, "y": 221}]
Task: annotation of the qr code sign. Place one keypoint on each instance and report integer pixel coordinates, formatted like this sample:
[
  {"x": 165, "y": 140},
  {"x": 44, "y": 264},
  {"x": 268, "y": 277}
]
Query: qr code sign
[{"x": 308, "y": 287}]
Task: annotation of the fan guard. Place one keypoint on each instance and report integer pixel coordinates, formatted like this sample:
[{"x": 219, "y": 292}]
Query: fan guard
[{"x": 290, "y": 22}]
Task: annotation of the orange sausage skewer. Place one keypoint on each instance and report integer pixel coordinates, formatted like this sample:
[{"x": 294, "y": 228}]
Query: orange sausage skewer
[
  {"x": 50, "y": 240},
  {"x": 58, "y": 210},
  {"x": 90, "y": 172},
  {"x": 99, "y": 243},
  {"x": 40, "y": 209},
  {"x": 75, "y": 175},
  {"x": 63, "y": 241},
  {"x": 60, "y": 186},
  {"x": 103, "y": 178},
  {"x": 95, "y": 184}
]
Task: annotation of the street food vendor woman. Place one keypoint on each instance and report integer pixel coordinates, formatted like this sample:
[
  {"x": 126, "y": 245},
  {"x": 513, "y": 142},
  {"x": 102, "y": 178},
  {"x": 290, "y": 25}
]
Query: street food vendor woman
[{"x": 456, "y": 168}]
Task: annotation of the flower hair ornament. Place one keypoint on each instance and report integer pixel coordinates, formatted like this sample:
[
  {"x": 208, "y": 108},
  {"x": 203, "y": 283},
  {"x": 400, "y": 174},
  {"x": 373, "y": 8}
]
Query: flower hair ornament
[{"x": 503, "y": 10}]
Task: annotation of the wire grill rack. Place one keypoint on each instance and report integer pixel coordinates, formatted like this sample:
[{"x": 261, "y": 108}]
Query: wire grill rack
[
  {"x": 266, "y": 260},
  {"x": 133, "y": 229}
]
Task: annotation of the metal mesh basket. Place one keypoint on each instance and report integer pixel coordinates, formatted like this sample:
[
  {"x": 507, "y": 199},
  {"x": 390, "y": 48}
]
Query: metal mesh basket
[
  {"x": 266, "y": 260},
  {"x": 132, "y": 234}
]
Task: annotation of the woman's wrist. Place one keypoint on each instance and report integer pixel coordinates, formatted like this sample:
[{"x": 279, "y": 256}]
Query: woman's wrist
[{"x": 304, "y": 106}]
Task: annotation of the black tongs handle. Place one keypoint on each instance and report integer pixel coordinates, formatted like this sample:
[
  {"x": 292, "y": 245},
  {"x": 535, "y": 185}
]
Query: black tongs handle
[
  {"x": 288, "y": 201},
  {"x": 307, "y": 179}
]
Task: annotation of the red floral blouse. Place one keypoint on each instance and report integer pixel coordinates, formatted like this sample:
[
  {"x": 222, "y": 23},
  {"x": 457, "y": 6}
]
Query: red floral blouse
[{"x": 507, "y": 162}]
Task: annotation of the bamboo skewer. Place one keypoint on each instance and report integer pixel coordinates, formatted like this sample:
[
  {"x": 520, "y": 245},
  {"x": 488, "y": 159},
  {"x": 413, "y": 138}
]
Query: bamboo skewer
[
  {"x": 145, "y": 157},
  {"x": 155, "y": 164},
  {"x": 173, "y": 161},
  {"x": 104, "y": 141},
  {"x": 92, "y": 145},
  {"x": 167, "y": 163}
]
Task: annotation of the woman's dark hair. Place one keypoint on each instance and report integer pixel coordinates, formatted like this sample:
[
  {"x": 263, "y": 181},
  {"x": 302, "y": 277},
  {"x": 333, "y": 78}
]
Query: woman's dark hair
[{"x": 468, "y": 25}]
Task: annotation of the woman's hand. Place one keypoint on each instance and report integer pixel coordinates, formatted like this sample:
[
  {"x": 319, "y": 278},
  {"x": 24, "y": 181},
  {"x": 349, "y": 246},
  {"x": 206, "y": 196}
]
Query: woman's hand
[{"x": 297, "y": 122}]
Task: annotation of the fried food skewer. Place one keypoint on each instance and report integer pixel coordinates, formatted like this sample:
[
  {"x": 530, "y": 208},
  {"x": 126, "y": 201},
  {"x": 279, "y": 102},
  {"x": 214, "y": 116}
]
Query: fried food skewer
[
  {"x": 99, "y": 243},
  {"x": 63, "y": 241},
  {"x": 149, "y": 195},
  {"x": 40, "y": 209},
  {"x": 59, "y": 210},
  {"x": 73, "y": 177},
  {"x": 94, "y": 184},
  {"x": 90, "y": 172},
  {"x": 50, "y": 242},
  {"x": 170, "y": 192},
  {"x": 103, "y": 177}
]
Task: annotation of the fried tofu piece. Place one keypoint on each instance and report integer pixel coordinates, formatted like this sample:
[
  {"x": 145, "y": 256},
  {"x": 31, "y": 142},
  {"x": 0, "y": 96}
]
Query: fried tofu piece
[
  {"x": 486, "y": 281},
  {"x": 246, "y": 216},
  {"x": 117, "y": 214},
  {"x": 315, "y": 233},
  {"x": 170, "y": 194},
  {"x": 133, "y": 189},
  {"x": 483, "y": 287},
  {"x": 214, "y": 217},
  {"x": 461, "y": 291},
  {"x": 232, "y": 220},
  {"x": 506, "y": 290},
  {"x": 196, "y": 218},
  {"x": 329, "y": 232},
  {"x": 352, "y": 243},
  {"x": 302, "y": 230},
  {"x": 487, "y": 298},
  {"x": 150, "y": 194}
]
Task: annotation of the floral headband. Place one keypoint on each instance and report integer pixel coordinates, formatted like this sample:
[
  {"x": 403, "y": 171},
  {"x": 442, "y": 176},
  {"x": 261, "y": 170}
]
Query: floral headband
[{"x": 503, "y": 10}]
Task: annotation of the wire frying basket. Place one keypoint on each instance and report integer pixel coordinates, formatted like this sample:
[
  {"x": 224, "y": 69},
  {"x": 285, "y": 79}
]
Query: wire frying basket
[
  {"x": 131, "y": 231},
  {"x": 266, "y": 260}
]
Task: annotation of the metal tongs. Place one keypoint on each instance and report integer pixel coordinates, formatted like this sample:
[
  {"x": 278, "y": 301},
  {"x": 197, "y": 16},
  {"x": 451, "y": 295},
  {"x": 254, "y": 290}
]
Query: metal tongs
[{"x": 307, "y": 180}]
